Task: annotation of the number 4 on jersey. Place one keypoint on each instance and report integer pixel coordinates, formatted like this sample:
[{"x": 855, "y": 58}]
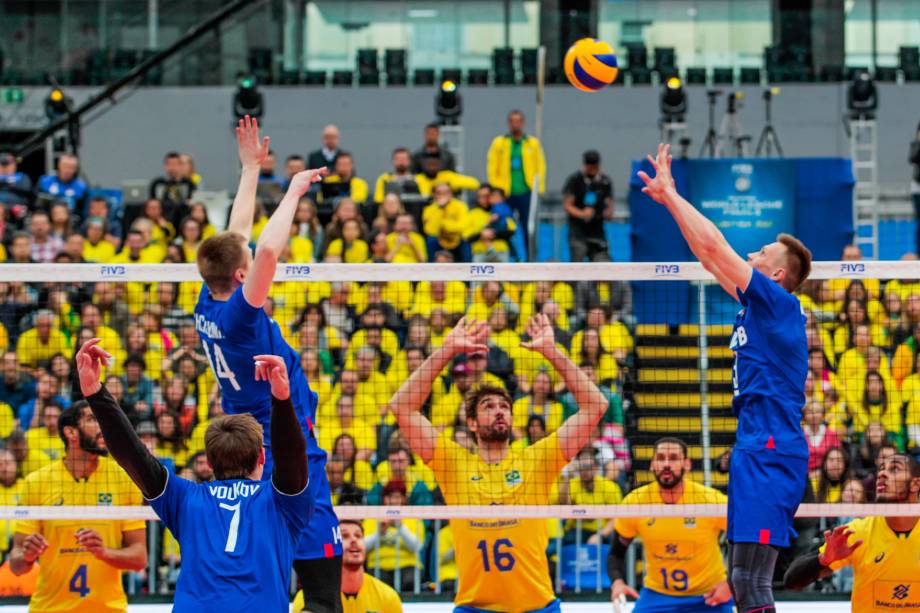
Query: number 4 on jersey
[
  {"x": 78, "y": 582},
  {"x": 219, "y": 365}
]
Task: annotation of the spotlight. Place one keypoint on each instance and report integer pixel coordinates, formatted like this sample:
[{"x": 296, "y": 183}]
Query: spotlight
[
  {"x": 862, "y": 97},
  {"x": 447, "y": 103},
  {"x": 248, "y": 100},
  {"x": 57, "y": 104},
  {"x": 673, "y": 101}
]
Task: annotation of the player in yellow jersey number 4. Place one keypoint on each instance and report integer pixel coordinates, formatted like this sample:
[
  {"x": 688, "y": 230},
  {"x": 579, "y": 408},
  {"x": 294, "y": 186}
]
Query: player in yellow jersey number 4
[
  {"x": 501, "y": 562},
  {"x": 883, "y": 551}
]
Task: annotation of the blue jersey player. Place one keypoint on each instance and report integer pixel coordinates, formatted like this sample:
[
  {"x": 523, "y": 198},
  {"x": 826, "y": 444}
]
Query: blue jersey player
[
  {"x": 238, "y": 533},
  {"x": 769, "y": 466},
  {"x": 233, "y": 327}
]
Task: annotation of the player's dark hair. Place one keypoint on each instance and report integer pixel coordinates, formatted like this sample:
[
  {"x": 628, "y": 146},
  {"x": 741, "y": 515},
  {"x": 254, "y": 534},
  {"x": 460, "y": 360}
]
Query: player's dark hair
[
  {"x": 353, "y": 522},
  {"x": 219, "y": 257},
  {"x": 798, "y": 261},
  {"x": 294, "y": 157},
  {"x": 400, "y": 150},
  {"x": 475, "y": 396},
  {"x": 673, "y": 440},
  {"x": 172, "y": 155},
  {"x": 233, "y": 444},
  {"x": 71, "y": 417},
  {"x": 913, "y": 466}
]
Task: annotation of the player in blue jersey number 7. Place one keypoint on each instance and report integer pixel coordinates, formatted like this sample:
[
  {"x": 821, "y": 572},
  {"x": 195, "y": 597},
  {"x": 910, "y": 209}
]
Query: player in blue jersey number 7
[
  {"x": 769, "y": 465},
  {"x": 237, "y": 533},
  {"x": 233, "y": 327}
]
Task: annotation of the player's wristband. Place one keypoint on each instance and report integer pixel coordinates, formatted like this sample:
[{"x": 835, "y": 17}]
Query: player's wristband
[{"x": 616, "y": 559}]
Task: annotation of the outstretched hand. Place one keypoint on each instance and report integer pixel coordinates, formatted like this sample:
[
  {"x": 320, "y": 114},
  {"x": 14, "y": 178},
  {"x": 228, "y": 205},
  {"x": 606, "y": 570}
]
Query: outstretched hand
[
  {"x": 659, "y": 187},
  {"x": 468, "y": 337},
  {"x": 836, "y": 547},
  {"x": 302, "y": 181},
  {"x": 252, "y": 151},
  {"x": 542, "y": 337},
  {"x": 272, "y": 368},
  {"x": 89, "y": 366}
]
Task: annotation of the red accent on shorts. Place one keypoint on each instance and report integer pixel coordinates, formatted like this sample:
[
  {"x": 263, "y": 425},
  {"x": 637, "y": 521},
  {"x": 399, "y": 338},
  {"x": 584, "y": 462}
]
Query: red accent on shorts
[
  {"x": 764, "y": 537},
  {"x": 770, "y": 444},
  {"x": 310, "y": 423},
  {"x": 328, "y": 551}
]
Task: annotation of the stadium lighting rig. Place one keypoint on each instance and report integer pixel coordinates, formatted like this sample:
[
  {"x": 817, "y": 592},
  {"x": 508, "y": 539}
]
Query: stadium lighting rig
[
  {"x": 248, "y": 99},
  {"x": 447, "y": 103},
  {"x": 862, "y": 96}
]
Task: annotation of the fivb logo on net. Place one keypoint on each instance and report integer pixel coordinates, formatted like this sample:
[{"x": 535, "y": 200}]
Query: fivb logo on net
[
  {"x": 852, "y": 269},
  {"x": 482, "y": 271},
  {"x": 113, "y": 271},
  {"x": 667, "y": 270},
  {"x": 297, "y": 271}
]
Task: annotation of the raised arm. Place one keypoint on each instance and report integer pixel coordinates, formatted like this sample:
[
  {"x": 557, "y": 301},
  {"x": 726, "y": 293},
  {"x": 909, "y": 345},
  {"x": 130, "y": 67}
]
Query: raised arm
[
  {"x": 705, "y": 240},
  {"x": 289, "y": 447},
  {"x": 274, "y": 238},
  {"x": 252, "y": 152},
  {"x": 577, "y": 430},
  {"x": 466, "y": 337},
  {"x": 805, "y": 570},
  {"x": 120, "y": 438}
]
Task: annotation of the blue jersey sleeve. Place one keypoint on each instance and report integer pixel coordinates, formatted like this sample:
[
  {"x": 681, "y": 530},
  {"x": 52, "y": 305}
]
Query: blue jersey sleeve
[
  {"x": 296, "y": 509},
  {"x": 168, "y": 505},
  {"x": 768, "y": 299},
  {"x": 240, "y": 316}
]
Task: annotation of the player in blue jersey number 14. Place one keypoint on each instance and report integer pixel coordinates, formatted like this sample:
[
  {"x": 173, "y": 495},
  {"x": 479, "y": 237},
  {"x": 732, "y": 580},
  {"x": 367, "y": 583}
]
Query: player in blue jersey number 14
[
  {"x": 769, "y": 466},
  {"x": 233, "y": 327}
]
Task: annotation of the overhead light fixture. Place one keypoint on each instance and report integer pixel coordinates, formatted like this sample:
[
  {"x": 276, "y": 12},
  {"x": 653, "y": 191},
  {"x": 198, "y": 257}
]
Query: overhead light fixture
[
  {"x": 57, "y": 104},
  {"x": 447, "y": 103},
  {"x": 673, "y": 102},
  {"x": 862, "y": 96},
  {"x": 248, "y": 100}
]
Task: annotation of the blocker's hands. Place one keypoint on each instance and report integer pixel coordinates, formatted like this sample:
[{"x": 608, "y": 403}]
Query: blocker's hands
[
  {"x": 542, "y": 339},
  {"x": 302, "y": 181},
  {"x": 272, "y": 368},
  {"x": 92, "y": 541},
  {"x": 620, "y": 590},
  {"x": 33, "y": 547},
  {"x": 836, "y": 547},
  {"x": 468, "y": 337},
  {"x": 89, "y": 366},
  {"x": 662, "y": 185},
  {"x": 252, "y": 151}
]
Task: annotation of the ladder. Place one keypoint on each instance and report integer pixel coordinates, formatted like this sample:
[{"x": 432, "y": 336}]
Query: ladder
[{"x": 864, "y": 154}]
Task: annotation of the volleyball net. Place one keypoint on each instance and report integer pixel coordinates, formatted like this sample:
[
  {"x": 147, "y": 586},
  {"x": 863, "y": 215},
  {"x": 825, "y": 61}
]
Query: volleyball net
[{"x": 653, "y": 337}]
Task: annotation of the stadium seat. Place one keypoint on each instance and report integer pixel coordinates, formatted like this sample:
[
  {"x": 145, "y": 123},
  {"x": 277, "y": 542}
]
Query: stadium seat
[
  {"x": 695, "y": 76},
  {"x": 665, "y": 62},
  {"x": 368, "y": 67},
  {"x": 723, "y": 76},
  {"x": 503, "y": 66},
  {"x": 477, "y": 76},
  {"x": 394, "y": 61},
  {"x": 261, "y": 65},
  {"x": 831, "y": 73},
  {"x": 314, "y": 77},
  {"x": 423, "y": 76},
  {"x": 750, "y": 75},
  {"x": 886, "y": 74},
  {"x": 529, "y": 66},
  {"x": 452, "y": 74},
  {"x": 342, "y": 78}
]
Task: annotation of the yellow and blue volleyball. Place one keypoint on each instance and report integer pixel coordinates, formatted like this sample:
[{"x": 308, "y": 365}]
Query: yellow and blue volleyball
[{"x": 591, "y": 64}]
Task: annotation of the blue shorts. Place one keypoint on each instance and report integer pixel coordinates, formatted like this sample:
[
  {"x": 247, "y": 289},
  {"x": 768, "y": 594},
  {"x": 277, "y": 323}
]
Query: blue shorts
[
  {"x": 764, "y": 491},
  {"x": 321, "y": 538},
  {"x": 553, "y": 607},
  {"x": 656, "y": 602}
]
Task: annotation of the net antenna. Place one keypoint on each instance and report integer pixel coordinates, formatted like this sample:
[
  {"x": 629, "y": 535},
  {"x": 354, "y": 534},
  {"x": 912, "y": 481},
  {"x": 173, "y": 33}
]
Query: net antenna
[{"x": 531, "y": 228}]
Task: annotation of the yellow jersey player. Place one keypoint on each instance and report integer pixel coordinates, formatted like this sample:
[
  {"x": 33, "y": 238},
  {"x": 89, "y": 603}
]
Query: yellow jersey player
[
  {"x": 80, "y": 561},
  {"x": 501, "y": 562},
  {"x": 883, "y": 551},
  {"x": 684, "y": 571},
  {"x": 361, "y": 592}
]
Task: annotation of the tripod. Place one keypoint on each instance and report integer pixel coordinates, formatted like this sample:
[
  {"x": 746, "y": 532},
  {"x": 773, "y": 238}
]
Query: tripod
[
  {"x": 730, "y": 132},
  {"x": 769, "y": 140},
  {"x": 710, "y": 143}
]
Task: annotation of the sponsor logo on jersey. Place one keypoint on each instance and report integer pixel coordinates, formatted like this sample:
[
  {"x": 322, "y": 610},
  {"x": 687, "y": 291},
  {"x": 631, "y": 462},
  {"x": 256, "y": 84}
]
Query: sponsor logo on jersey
[
  {"x": 104, "y": 499},
  {"x": 689, "y": 522},
  {"x": 900, "y": 592},
  {"x": 879, "y": 557},
  {"x": 513, "y": 477},
  {"x": 476, "y": 478}
]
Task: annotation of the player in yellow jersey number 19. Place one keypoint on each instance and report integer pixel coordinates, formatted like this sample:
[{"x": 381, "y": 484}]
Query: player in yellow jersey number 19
[{"x": 501, "y": 562}]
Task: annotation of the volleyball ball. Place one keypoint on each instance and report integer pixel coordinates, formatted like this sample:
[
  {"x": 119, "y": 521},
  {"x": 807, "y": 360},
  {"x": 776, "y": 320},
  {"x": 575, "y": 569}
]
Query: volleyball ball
[{"x": 591, "y": 64}]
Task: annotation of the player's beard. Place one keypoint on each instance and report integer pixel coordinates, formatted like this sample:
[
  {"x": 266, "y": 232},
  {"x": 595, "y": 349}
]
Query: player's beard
[
  {"x": 491, "y": 434},
  {"x": 676, "y": 478},
  {"x": 90, "y": 444}
]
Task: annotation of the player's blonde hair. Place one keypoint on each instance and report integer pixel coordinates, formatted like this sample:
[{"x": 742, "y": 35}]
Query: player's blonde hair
[
  {"x": 219, "y": 257},
  {"x": 233, "y": 444}
]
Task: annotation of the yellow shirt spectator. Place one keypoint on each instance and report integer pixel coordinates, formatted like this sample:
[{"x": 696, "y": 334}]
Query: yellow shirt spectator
[
  {"x": 455, "y": 180},
  {"x": 596, "y": 490},
  {"x": 357, "y": 187},
  {"x": 533, "y": 162},
  {"x": 101, "y": 252},
  {"x": 41, "y": 343},
  {"x": 445, "y": 219},
  {"x": 356, "y": 252},
  {"x": 407, "y": 249}
]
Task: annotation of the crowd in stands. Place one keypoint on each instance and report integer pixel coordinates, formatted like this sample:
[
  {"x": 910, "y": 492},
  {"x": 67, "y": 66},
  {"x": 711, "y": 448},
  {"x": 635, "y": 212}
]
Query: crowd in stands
[{"x": 358, "y": 342}]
